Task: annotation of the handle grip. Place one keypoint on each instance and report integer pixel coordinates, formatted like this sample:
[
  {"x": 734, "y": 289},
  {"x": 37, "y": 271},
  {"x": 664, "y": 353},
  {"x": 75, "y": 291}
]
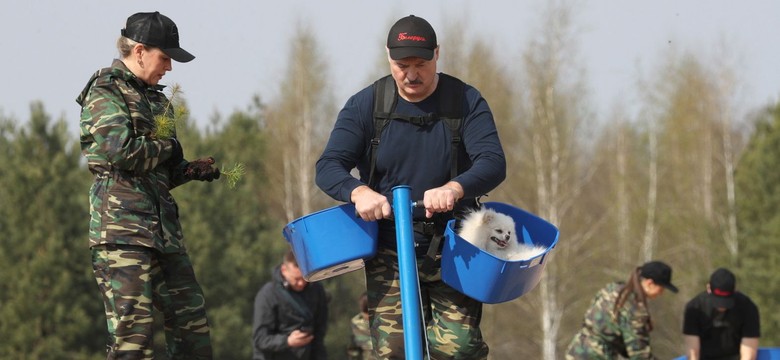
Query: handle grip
[{"x": 416, "y": 204}]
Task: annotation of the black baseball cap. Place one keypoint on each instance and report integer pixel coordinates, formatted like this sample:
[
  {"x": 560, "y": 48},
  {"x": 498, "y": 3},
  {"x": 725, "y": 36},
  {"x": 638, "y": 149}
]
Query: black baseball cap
[
  {"x": 411, "y": 37},
  {"x": 158, "y": 30},
  {"x": 659, "y": 272},
  {"x": 722, "y": 284}
]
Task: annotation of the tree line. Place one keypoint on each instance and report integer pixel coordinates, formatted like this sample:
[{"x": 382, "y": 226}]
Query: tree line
[{"x": 685, "y": 179}]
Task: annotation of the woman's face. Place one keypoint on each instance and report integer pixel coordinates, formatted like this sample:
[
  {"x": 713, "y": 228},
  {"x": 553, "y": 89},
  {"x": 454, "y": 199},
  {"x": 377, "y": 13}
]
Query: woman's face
[
  {"x": 154, "y": 65},
  {"x": 652, "y": 290}
]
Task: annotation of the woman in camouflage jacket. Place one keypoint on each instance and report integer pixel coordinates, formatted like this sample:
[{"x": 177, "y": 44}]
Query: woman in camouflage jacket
[
  {"x": 618, "y": 320},
  {"x": 138, "y": 255}
]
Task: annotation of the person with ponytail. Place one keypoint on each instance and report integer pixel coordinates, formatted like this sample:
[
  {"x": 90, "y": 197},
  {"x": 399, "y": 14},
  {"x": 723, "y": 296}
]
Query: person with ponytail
[{"x": 618, "y": 321}]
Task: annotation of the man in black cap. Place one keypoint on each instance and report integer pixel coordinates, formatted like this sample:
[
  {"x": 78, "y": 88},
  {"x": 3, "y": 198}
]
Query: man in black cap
[
  {"x": 721, "y": 323},
  {"x": 432, "y": 132}
]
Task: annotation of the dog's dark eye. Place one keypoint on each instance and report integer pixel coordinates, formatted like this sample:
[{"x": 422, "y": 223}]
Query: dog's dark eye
[{"x": 499, "y": 231}]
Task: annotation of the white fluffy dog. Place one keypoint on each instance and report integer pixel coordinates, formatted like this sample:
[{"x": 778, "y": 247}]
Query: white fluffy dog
[{"x": 495, "y": 233}]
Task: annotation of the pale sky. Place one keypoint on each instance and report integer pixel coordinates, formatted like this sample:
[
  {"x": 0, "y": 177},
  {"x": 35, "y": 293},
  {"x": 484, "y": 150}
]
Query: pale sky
[{"x": 51, "y": 47}]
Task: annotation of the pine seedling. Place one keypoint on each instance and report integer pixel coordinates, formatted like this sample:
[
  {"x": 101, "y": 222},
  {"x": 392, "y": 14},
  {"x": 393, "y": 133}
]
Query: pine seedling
[
  {"x": 165, "y": 122},
  {"x": 233, "y": 175}
]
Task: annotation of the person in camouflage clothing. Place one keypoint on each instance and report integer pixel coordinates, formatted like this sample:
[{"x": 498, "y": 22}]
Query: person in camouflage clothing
[
  {"x": 360, "y": 347},
  {"x": 138, "y": 255},
  {"x": 446, "y": 167},
  {"x": 618, "y": 321}
]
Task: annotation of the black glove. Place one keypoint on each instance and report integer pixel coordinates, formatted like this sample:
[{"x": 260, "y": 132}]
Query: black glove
[
  {"x": 177, "y": 155},
  {"x": 202, "y": 170}
]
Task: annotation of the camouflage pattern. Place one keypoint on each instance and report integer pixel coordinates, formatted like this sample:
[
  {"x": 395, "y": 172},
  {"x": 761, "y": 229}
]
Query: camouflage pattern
[
  {"x": 452, "y": 319},
  {"x": 121, "y": 272},
  {"x": 130, "y": 199},
  {"x": 139, "y": 258},
  {"x": 606, "y": 336},
  {"x": 360, "y": 348}
]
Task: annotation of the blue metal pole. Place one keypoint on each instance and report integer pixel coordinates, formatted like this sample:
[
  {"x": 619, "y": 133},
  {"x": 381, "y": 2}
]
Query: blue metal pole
[{"x": 407, "y": 268}]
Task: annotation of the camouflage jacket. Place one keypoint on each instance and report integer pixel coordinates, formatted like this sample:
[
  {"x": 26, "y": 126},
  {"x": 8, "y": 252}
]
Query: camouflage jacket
[
  {"x": 130, "y": 199},
  {"x": 604, "y": 335}
]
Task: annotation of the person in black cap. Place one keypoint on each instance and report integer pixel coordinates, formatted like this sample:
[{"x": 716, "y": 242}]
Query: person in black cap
[
  {"x": 618, "y": 321},
  {"x": 721, "y": 323},
  {"x": 435, "y": 134},
  {"x": 138, "y": 256}
]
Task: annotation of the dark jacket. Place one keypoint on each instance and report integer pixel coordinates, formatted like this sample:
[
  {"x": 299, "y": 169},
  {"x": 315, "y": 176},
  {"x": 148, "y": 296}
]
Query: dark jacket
[{"x": 278, "y": 311}]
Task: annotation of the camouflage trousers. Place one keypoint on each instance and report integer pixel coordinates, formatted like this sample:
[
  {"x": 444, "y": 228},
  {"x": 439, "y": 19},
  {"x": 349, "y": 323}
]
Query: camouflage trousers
[
  {"x": 451, "y": 318},
  {"x": 132, "y": 280},
  {"x": 587, "y": 347}
]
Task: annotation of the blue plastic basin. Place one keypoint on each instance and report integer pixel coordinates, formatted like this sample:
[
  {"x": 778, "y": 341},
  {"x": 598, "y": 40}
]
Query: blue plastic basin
[
  {"x": 763, "y": 354},
  {"x": 489, "y": 279},
  {"x": 331, "y": 242}
]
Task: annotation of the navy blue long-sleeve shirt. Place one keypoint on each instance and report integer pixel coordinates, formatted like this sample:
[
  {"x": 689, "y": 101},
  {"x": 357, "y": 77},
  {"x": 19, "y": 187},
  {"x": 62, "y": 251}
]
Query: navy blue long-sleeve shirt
[{"x": 409, "y": 154}]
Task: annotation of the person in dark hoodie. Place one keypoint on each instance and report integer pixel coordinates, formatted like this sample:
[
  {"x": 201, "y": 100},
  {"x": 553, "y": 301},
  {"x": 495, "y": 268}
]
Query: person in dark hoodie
[{"x": 290, "y": 316}]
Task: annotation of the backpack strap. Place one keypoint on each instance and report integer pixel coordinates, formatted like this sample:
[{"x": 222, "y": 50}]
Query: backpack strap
[
  {"x": 385, "y": 99},
  {"x": 451, "y": 99}
]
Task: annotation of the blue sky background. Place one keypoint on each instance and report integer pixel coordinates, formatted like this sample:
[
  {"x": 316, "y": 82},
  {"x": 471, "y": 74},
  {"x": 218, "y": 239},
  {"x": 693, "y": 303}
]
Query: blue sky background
[{"x": 51, "y": 47}]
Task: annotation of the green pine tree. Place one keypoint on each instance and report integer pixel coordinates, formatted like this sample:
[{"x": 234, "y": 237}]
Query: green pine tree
[
  {"x": 49, "y": 304},
  {"x": 758, "y": 204}
]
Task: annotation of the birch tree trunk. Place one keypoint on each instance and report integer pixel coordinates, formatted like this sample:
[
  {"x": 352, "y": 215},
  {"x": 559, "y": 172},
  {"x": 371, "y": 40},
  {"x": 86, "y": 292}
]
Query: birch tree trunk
[
  {"x": 298, "y": 120},
  {"x": 555, "y": 119},
  {"x": 725, "y": 88},
  {"x": 304, "y": 142},
  {"x": 648, "y": 240},
  {"x": 621, "y": 155}
]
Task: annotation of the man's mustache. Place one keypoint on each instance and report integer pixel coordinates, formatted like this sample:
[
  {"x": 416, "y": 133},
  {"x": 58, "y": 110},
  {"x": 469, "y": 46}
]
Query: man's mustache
[{"x": 414, "y": 82}]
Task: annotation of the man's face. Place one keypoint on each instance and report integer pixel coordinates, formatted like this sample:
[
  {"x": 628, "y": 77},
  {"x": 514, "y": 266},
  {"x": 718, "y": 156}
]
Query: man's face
[
  {"x": 293, "y": 275},
  {"x": 415, "y": 77}
]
